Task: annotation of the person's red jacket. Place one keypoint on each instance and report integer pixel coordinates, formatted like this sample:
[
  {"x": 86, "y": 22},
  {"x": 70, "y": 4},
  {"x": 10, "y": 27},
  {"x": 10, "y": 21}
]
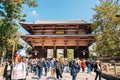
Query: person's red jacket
[{"x": 83, "y": 64}]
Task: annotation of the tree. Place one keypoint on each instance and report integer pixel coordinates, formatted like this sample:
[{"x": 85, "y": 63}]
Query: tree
[
  {"x": 106, "y": 28},
  {"x": 29, "y": 50},
  {"x": 10, "y": 16}
]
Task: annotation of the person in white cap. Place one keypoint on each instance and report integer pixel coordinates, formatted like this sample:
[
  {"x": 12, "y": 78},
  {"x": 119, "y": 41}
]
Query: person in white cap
[{"x": 98, "y": 70}]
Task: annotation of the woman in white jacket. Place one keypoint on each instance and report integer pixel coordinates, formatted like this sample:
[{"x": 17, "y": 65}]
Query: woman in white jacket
[{"x": 19, "y": 70}]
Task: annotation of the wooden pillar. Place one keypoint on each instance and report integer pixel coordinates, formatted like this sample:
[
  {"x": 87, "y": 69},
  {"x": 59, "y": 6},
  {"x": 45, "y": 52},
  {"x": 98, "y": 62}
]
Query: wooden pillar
[
  {"x": 78, "y": 56},
  {"x": 77, "y": 52},
  {"x": 65, "y": 52},
  {"x": 33, "y": 52},
  {"x": 77, "y": 49},
  {"x": 55, "y": 53},
  {"x": 43, "y": 52}
]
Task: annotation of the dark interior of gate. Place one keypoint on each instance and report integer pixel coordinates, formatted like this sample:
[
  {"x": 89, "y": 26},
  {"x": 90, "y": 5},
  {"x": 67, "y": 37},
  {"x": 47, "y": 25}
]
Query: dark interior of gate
[{"x": 77, "y": 52}]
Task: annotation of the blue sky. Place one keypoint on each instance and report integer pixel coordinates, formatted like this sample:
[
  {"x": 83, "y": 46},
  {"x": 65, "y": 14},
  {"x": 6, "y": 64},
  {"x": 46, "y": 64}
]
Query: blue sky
[{"x": 60, "y": 10}]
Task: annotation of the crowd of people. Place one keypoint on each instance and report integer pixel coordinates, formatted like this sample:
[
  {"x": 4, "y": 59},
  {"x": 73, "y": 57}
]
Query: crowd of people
[{"x": 19, "y": 68}]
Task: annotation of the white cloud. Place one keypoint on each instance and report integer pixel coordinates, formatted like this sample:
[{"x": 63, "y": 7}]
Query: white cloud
[{"x": 34, "y": 13}]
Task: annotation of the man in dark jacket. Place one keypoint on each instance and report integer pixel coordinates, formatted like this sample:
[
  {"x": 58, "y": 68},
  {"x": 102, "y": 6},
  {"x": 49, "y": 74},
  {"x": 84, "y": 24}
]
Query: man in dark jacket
[
  {"x": 46, "y": 66},
  {"x": 40, "y": 66},
  {"x": 7, "y": 71},
  {"x": 98, "y": 70},
  {"x": 58, "y": 67},
  {"x": 74, "y": 69}
]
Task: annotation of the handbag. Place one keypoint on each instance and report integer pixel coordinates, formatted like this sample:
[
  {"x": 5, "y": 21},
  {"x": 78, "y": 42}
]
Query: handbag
[{"x": 8, "y": 72}]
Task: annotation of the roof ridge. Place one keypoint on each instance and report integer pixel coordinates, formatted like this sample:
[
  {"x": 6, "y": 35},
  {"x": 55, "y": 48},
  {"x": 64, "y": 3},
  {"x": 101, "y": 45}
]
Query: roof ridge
[{"x": 61, "y": 21}]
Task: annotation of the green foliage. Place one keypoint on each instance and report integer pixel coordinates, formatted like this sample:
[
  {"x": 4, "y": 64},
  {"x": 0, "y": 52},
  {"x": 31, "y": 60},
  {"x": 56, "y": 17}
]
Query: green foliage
[
  {"x": 20, "y": 46},
  {"x": 10, "y": 16},
  {"x": 106, "y": 28},
  {"x": 29, "y": 50},
  {"x": 70, "y": 53}
]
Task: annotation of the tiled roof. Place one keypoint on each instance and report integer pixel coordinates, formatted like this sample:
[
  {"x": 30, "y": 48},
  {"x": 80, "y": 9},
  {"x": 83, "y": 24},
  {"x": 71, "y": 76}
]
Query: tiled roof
[{"x": 59, "y": 21}]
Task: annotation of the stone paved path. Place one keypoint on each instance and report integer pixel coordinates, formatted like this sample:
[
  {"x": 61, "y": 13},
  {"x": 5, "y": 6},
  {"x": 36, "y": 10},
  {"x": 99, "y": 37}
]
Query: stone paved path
[{"x": 66, "y": 76}]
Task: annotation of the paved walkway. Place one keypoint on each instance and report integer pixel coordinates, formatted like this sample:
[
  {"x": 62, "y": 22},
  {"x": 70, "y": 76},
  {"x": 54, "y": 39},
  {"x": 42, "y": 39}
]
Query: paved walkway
[{"x": 66, "y": 76}]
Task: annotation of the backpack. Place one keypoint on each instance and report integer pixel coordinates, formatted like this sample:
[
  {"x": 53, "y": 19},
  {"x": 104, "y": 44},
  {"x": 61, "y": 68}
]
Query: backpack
[
  {"x": 39, "y": 64},
  {"x": 57, "y": 65},
  {"x": 73, "y": 71},
  {"x": 45, "y": 63},
  {"x": 48, "y": 63}
]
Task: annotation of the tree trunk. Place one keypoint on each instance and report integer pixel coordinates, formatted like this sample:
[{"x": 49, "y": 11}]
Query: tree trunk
[
  {"x": 13, "y": 50},
  {"x": 3, "y": 56}
]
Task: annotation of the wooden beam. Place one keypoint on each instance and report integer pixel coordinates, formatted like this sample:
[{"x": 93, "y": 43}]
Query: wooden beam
[
  {"x": 51, "y": 40},
  {"x": 31, "y": 27},
  {"x": 60, "y": 45}
]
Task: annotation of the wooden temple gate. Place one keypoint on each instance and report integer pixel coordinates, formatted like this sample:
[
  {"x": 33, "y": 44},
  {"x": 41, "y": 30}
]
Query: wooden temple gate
[{"x": 52, "y": 36}]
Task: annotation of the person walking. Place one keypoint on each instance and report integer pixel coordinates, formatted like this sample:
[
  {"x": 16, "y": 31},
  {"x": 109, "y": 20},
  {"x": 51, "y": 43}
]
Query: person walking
[
  {"x": 31, "y": 65},
  {"x": 24, "y": 66},
  {"x": 46, "y": 66},
  {"x": 34, "y": 66},
  {"x": 98, "y": 70},
  {"x": 58, "y": 67},
  {"x": 66, "y": 68},
  {"x": 18, "y": 69},
  {"x": 83, "y": 65},
  {"x": 39, "y": 68},
  {"x": 88, "y": 64},
  {"x": 7, "y": 71},
  {"x": 74, "y": 70},
  {"x": 78, "y": 63},
  {"x": 92, "y": 64},
  {"x": 52, "y": 68}
]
